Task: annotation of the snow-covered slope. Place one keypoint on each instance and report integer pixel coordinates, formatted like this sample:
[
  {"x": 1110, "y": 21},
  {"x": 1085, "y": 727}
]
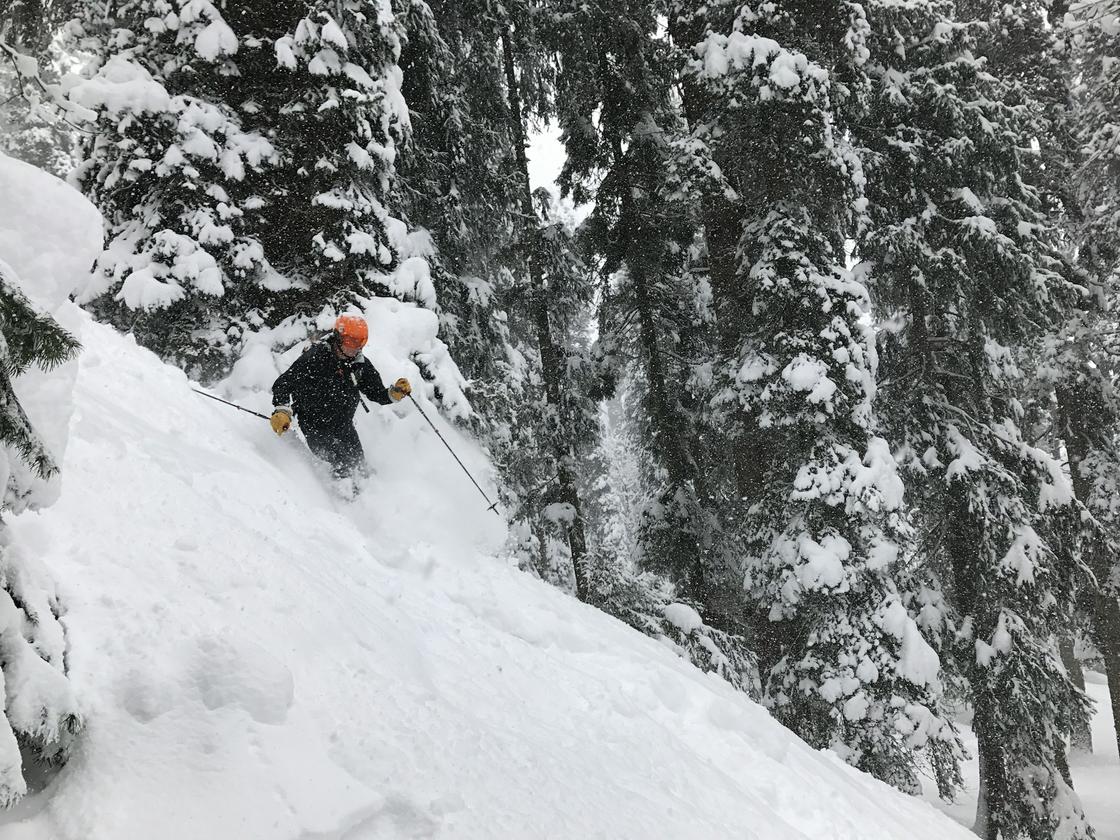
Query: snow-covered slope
[{"x": 260, "y": 660}]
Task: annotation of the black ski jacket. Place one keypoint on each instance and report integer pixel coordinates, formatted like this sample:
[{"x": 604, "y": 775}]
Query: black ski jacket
[{"x": 323, "y": 389}]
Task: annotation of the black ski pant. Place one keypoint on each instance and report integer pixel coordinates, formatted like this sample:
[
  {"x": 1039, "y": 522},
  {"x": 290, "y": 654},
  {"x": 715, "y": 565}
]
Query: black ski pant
[{"x": 337, "y": 445}]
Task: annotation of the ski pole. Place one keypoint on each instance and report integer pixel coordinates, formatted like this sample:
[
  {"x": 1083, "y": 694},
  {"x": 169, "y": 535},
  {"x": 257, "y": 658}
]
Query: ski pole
[
  {"x": 493, "y": 505},
  {"x": 235, "y": 405}
]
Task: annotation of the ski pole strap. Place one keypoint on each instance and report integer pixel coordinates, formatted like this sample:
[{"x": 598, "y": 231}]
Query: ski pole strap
[
  {"x": 492, "y": 505},
  {"x": 232, "y": 405}
]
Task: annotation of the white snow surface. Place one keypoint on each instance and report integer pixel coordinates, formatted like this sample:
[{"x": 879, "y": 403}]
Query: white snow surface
[
  {"x": 684, "y": 617},
  {"x": 120, "y": 85},
  {"x": 258, "y": 659},
  {"x": 49, "y": 233}
]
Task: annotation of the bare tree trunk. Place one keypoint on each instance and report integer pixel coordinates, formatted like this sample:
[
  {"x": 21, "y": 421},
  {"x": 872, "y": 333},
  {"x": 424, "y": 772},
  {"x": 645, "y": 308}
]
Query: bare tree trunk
[{"x": 550, "y": 354}]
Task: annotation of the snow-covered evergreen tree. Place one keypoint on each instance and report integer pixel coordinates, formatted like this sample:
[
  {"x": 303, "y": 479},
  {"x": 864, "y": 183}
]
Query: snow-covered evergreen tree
[
  {"x": 30, "y": 132},
  {"x": 245, "y": 166},
  {"x": 33, "y": 125},
  {"x": 559, "y": 397},
  {"x": 1079, "y": 371},
  {"x": 965, "y": 282},
  {"x": 459, "y": 178},
  {"x": 458, "y": 174},
  {"x": 549, "y": 306},
  {"x": 823, "y": 529},
  {"x": 30, "y": 338},
  {"x": 614, "y": 495},
  {"x": 1085, "y": 349},
  {"x": 1028, "y": 52},
  {"x": 166, "y": 166},
  {"x": 616, "y": 108},
  {"x": 622, "y": 473},
  {"x": 1097, "y": 50}
]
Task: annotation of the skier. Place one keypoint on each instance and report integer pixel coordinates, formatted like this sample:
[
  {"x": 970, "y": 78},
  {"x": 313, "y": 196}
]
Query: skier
[{"x": 323, "y": 388}]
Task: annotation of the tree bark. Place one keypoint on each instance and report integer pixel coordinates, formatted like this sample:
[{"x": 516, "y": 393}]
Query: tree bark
[
  {"x": 550, "y": 355},
  {"x": 1107, "y": 638},
  {"x": 993, "y": 787},
  {"x": 1077, "y": 417}
]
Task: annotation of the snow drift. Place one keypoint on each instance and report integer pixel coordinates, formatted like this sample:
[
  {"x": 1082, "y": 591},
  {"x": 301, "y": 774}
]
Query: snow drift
[{"x": 49, "y": 238}]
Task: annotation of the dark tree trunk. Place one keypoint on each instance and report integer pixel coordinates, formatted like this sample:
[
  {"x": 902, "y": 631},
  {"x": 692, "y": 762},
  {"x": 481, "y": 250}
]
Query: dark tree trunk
[
  {"x": 1107, "y": 637},
  {"x": 993, "y": 783},
  {"x": 551, "y": 369},
  {"x": 962, "y": 535},
  {"x": 670, "y": 440},
  {"x": 1079, "y": 414}
]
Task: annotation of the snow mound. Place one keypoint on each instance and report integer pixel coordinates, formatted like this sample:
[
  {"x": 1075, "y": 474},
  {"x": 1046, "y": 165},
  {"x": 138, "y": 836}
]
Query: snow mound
[
  {"x": 260, "y": 660},
  {"x": 49, "y": 237},
  {"x": 49, "y": 233}
]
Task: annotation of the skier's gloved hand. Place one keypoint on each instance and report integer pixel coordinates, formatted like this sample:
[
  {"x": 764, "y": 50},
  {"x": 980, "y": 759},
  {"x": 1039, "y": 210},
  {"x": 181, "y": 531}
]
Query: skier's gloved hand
[
  {"x": 400, "y": 389},
  {"x": 281, "y": 420}
]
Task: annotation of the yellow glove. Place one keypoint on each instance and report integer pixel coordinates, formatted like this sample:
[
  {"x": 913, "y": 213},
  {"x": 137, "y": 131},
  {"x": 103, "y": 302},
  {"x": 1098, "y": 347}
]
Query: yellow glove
[
  {"x": 281, "y": 421},
  {"x": 399, "y": 389}
]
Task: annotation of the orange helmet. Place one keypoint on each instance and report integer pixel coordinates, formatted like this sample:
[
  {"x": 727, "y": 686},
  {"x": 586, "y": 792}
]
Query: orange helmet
[{"x": 352, "y": 332}]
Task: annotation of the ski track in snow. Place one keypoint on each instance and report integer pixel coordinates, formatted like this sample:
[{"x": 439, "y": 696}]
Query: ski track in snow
[{"x": 258, "y": 659}]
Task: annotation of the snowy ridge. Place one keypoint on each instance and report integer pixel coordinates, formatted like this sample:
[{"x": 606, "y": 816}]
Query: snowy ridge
[{"x": 259, "y": 660}]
